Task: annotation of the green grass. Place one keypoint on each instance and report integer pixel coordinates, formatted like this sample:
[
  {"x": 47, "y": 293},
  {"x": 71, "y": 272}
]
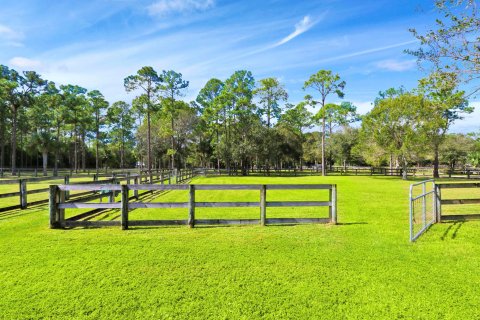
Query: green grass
[{"x": 362, "y": 268}]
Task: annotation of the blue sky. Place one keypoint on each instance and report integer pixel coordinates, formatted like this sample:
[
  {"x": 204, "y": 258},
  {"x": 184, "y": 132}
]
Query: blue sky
[{"x": 96, "y": 44}]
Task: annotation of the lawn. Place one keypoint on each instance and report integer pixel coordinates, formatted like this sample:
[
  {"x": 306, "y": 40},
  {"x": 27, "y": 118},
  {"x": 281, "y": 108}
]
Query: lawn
[{"x": 364, "y": 267}]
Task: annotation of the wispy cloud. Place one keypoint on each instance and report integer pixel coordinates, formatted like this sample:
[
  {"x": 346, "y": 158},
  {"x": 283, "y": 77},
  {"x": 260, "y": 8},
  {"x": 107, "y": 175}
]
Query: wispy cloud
[
  {"x": 303, "y": 26},
  {"x": 396, "y": 65},
  {"x": 25, "y": 63},
  {"x": 166, "y": 7},
  {"x": 9, "y": 33}
]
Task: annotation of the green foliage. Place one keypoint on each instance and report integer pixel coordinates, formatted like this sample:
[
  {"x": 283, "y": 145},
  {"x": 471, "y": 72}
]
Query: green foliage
[
  {"x": 453, "y": 45},
  {"x": 395, "y": 125},
  {"x": 270, "y": 92}
]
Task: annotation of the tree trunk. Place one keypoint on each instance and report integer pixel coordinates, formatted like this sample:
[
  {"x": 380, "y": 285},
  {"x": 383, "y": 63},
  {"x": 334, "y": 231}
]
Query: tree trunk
[
  {"x": 404, "y": 169},
  {"x": 391, "y": 164},
  {"x": 13, "y": 163},
  {"x": 84, "y": 153},
  {"x": 97, "y": 136},
  {"x": 436, "y": 174},
  {"x": 44, "y": 161},
  {"x": 149, "y": 148},
  {"x": 172, "y": 145},
  {"x": 323, "y": 147},
  {"x": 55, "y": 165},
  {"x": 75, "y": 150},
  {"x": 2, "y": 142}
]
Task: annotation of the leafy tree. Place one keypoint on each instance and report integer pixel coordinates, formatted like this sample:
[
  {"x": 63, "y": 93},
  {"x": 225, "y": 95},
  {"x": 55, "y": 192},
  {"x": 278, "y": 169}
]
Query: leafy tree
[
  {"x": 343, "y": 144},
  {"x": 270, "y": 92},
  {"x": 326, "y": 83},
  {"x": 148, "y": 81},
  {"x": 171, "y": 88},
  {"x": 453, "y": 45},
  {"x": 236, "y": 99},
  {"x": 296, "y": 119},
  {"x": 336, "y": 115},
  {"x": 97, "y": 104},
  {"x": 455, "y": 149},
  {"x": 121, "y": 123},
  {"x": 446, "y": 105},
  {"x": 210, "y": 108},
  {"x": 394, "y": 124},
  {"x": 76, "y": 104},
  {"x": 6, "y": 88},
  {"x": 42, "y": 117},
  {"x": 20, "y": 94}
]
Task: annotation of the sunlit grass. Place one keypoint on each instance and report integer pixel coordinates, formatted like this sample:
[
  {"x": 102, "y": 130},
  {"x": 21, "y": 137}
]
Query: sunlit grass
[{"x": 362, "y": 268}]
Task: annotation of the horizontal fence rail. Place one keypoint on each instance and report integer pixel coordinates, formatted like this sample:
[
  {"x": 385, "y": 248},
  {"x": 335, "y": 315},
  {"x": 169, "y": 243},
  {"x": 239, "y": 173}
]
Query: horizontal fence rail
[
  {"x": 441, "y": 202},
  {"x": 58, "y": 204}
]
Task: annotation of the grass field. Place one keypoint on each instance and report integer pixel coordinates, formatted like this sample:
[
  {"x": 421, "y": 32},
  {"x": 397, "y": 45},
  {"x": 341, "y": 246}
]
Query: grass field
[{"x": 362, "y": 268}]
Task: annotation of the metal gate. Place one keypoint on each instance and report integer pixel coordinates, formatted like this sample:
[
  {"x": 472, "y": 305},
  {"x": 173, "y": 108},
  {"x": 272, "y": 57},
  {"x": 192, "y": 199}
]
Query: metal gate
[{"x": 423, "y": 207}]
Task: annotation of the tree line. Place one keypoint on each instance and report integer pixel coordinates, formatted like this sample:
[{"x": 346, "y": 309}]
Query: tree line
[{"x": 236, "y": 123}]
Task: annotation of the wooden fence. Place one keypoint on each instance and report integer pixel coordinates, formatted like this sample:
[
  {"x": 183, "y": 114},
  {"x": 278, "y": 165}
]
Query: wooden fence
[
  {"x": 357, "y": 171},
  {"x": 441, "y": 202},
  {"x": 464, "y": 173},
  {"x": 58, "y": 204}
]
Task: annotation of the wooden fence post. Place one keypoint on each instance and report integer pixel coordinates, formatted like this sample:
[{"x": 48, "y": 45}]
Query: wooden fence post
[
  {"x": 161, "y": 177},
  {"x": 124, "y": 215},
  {"x": 61, "y": 212},
  {"x": 53, "y": 205},
  {"x": 263, "y": 204},
  {"x": 135, "y": 192},
  {"x": 333, "y": 205},
  {"x": 66, "y": 180},
  {"x": 438, "y": 195},
  {"x": 191, "y": 206},
  {"x": 23, "y": 193}
]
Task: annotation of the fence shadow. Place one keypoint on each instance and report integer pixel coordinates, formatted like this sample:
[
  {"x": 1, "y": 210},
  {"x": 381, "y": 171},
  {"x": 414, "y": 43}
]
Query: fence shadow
[{"x": 453, "y": 228}]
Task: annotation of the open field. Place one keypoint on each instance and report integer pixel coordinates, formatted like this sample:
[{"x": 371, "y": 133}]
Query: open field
[{"x": 364, "y": 267}]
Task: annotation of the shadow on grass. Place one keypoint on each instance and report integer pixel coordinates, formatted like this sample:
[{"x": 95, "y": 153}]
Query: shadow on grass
[
  {"x": 350, "y": 223},
  {"x": 21, "y": 212},
  {"x": 453, "y": 228}
]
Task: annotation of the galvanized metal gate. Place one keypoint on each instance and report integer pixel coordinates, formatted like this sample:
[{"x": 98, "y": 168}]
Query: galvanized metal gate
[{"x": 423, "y": 207}]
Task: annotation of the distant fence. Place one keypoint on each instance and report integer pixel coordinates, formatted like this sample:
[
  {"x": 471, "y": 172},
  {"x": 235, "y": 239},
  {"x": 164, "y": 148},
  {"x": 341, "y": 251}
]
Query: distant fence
[
  {"x": 58, "y": 204},
  {"x": 465, "y": 173},
  {"x": 357, "y": 171},
  {"x": 23, "y": 192},
  {"x": 426, "y": 206}
]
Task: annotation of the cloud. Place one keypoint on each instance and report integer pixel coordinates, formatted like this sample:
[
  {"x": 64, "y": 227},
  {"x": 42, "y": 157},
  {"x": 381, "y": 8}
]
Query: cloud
[
  {"x": 166, "y": 7},
  {"x": 395, "y": 65},
  {"x": 9, "y": 33},
  {"x": 303, "y": 26},
  {"x": 24, "y": 63}
]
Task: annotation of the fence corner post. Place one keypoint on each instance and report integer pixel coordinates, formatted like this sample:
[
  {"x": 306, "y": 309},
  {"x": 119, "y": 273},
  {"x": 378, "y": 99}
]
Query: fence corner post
[
  {"x": 124, "y": 214},
  {"x": 23, "y": 193},
  {"x": 191, "y": 206},
  {"x": 53, "y": 206},
  {"x": 333, "y": 204},
  {"x": 263, "y": 204}
]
